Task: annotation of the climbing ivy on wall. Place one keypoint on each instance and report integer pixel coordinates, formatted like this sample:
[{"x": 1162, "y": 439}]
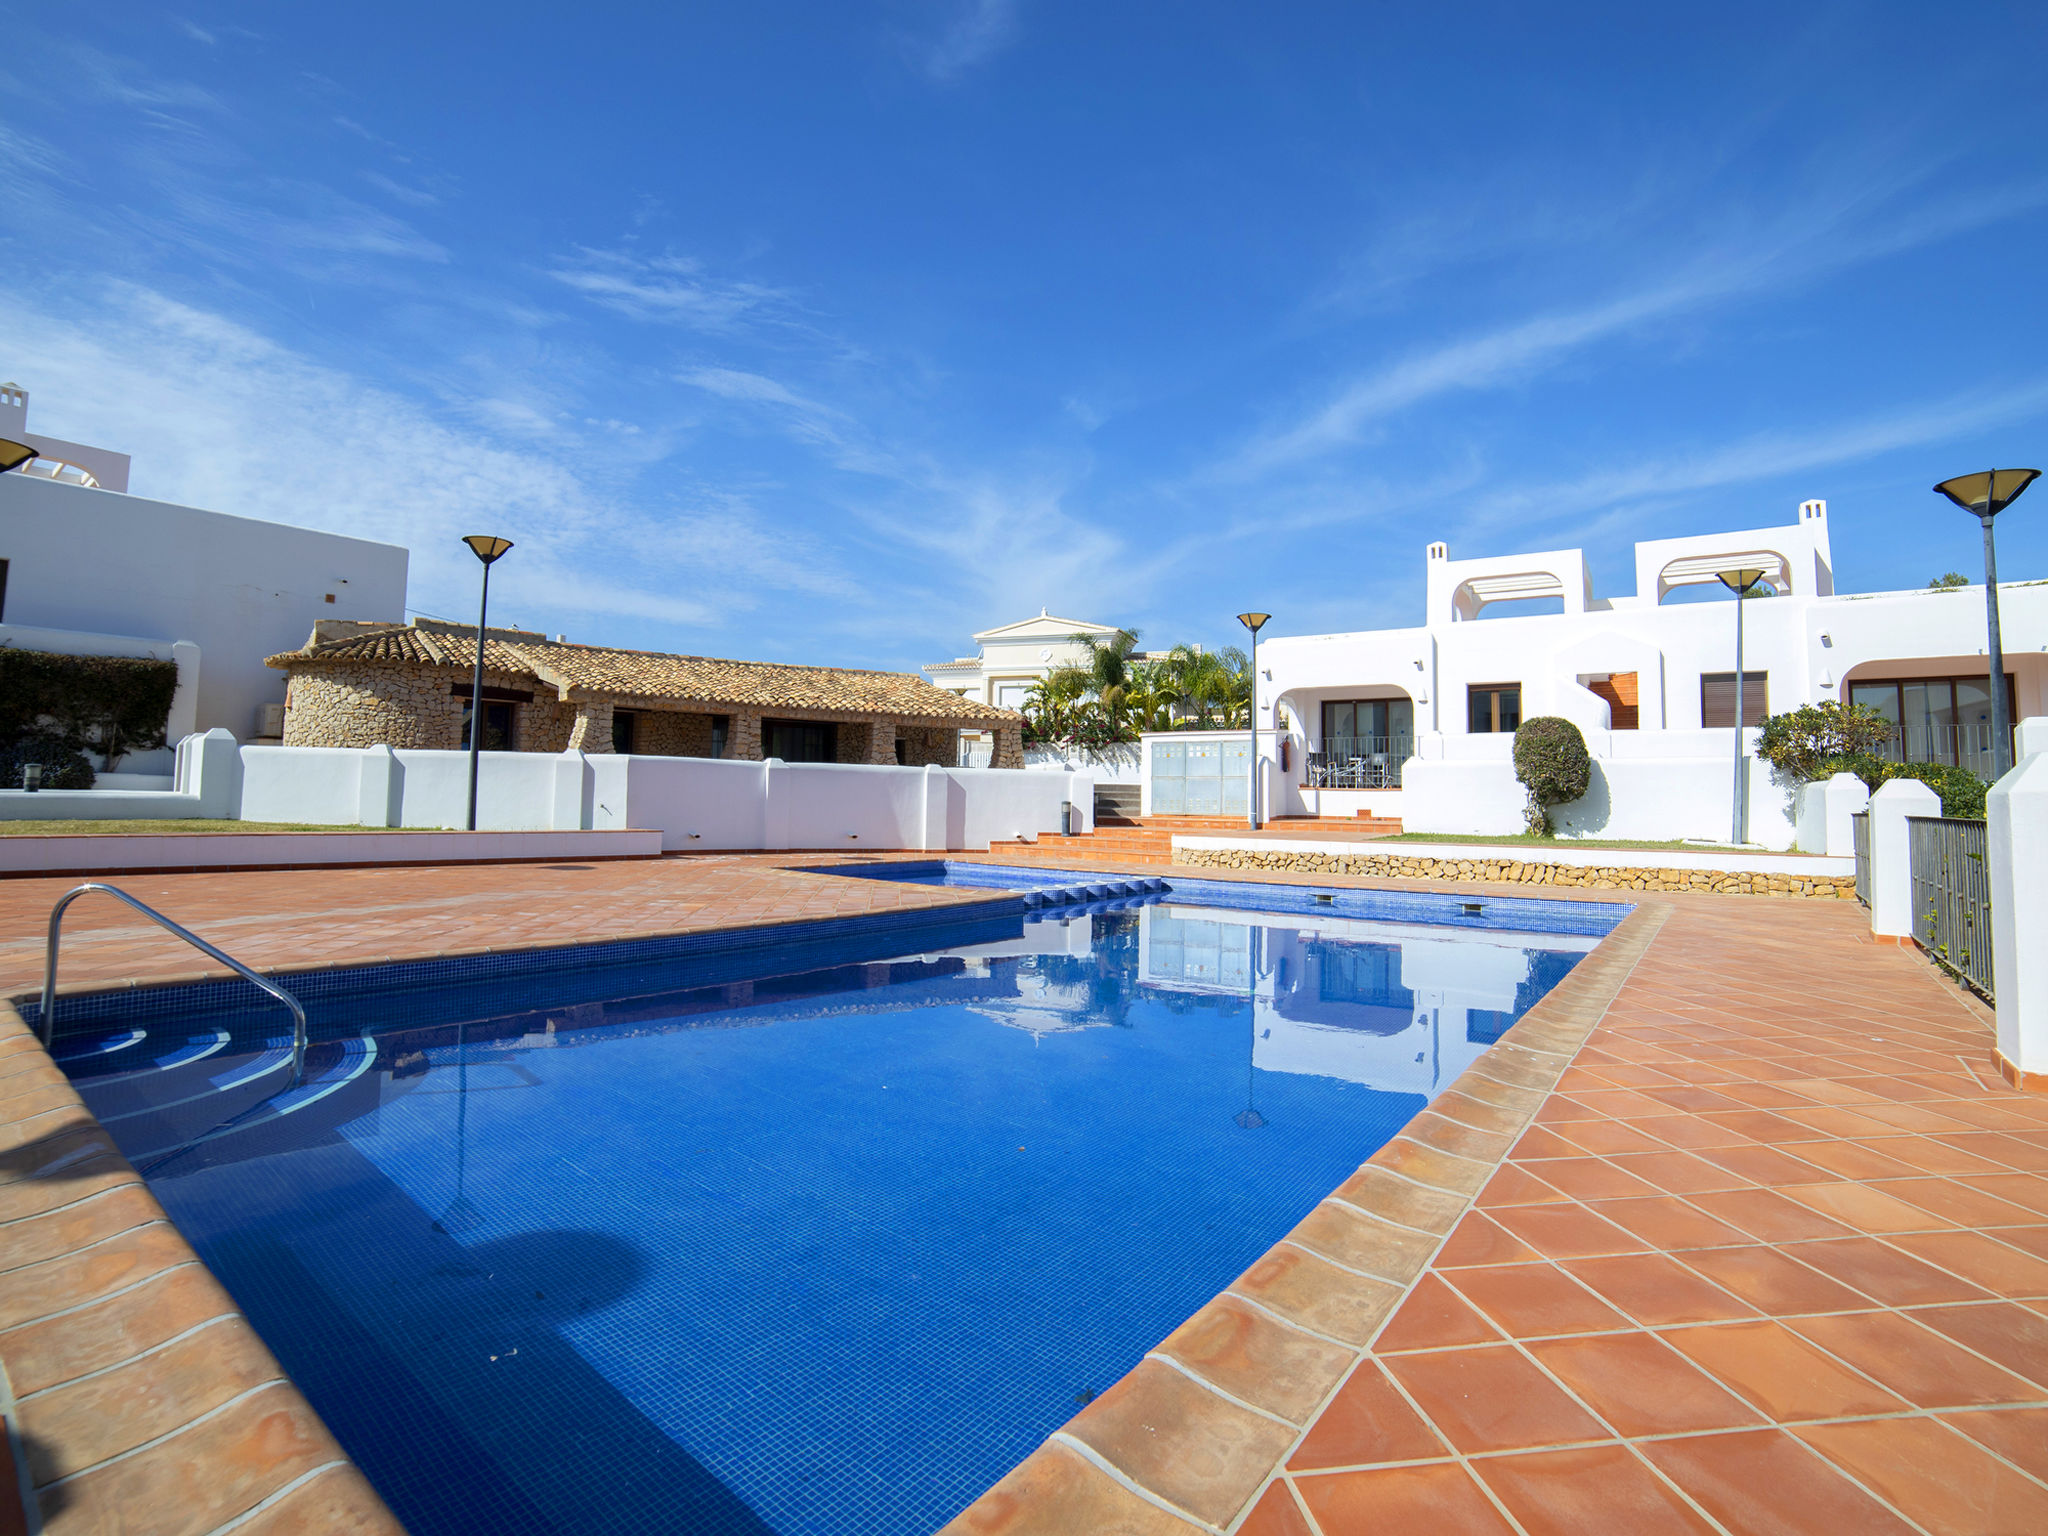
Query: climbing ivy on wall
[{"x": 112, "y": 705}]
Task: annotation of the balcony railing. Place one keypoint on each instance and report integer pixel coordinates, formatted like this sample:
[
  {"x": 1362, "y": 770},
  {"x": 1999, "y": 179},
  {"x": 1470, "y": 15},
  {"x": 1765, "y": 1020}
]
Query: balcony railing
[
  {"x": 1359, "y": 762},
  {"x": 1968, "y": 745}
]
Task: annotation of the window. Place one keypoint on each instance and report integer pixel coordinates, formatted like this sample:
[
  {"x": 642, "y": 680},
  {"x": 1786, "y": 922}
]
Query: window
[
  {"x": 1619, "y": 690},
  {"x": 800, "y": 741},
  {"x": 497, "y": 727},
  {"x": 623, "y": 721},
  {"x": 1717, "y": 699},
  {"x": 721, "y": 730},
  {"x": 1493, "y": 707},
  {"x": 1378, "y": 723},
  {"x": 1938, "y": 719}
]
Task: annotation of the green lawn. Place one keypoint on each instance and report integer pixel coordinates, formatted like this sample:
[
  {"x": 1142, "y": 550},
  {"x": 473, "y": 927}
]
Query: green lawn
[
  {"x": 1524, "y": 840},
  {"x": 140, "y": 828}
]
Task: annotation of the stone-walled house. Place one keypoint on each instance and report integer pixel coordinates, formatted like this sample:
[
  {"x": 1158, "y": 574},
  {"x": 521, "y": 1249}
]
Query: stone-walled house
[{"x": 360, "y": 685}]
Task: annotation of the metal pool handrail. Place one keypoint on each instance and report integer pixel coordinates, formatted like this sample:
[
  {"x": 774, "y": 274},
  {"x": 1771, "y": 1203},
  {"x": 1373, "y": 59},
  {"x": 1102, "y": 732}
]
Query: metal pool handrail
[{"x": 49, "y": 1018}]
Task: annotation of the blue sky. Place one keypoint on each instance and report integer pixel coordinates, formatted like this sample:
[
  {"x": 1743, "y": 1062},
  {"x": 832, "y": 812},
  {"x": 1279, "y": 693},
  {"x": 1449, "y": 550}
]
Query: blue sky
[{"x": 836, "y": 332}]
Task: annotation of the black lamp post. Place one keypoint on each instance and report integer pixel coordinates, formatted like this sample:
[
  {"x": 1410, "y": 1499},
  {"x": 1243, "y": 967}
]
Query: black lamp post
[
  {"x": 1254, "y": 622},
  {"x": 490, "y": 550},
  {"x": 1739, "y": 582},
  {"x": 1987, "y": 494},
  {"x": 13, "y": 455}
]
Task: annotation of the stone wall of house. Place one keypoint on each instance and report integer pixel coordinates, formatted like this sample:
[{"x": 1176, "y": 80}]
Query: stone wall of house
[
  {"x": 671, "y": 733},
  {"x": 855, "y": 739},
  {"x": 592, "y": 732},
  {"x": 743, "y": 737},
  {"x": 368, "y": 706},
  {"x": 545, "y": 725},
  {"x": 1524, "y": 872},
  {"x": 419, "y": 706},
  {"x": 927, "y": 746}
]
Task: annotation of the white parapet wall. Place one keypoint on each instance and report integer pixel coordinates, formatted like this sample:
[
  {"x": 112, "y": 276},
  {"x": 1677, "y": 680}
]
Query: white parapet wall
[
  {"x": 1650, "y": 786},
  {"x": 697, "y": 804},
  {"x": 2016, "y": 839}
]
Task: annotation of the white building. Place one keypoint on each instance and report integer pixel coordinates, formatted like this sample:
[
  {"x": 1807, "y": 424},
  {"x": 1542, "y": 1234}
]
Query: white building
[
  {"x": 1419, "y": 723},
  {"x": 87, "y": 570},
  {"x": 1014, "y": 658}
]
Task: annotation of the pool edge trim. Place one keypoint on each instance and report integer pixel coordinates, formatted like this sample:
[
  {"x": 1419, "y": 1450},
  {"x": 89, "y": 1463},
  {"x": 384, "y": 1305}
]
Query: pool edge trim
[{"x": 290, "y": 1459}]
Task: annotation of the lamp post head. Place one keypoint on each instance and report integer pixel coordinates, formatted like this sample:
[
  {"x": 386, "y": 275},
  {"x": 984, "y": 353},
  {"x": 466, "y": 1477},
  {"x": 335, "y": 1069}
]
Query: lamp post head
[
  {"x": 13, "y": 455},
  {"x": 487, "y": 547},
  {"x": 1988, "y": 492},
  {"x": 1741, "y": 581},
  {"x": 1254, "y": 621}
]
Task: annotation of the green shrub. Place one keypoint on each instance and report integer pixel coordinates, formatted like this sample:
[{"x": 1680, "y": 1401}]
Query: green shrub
[
  {"x": 1553, "y": 764},
  {"x": 1806, "y": 742},
  {"x": 1962, "y": 792},
  {"x": 112, "y": 705},
  {"x": 63, "y": 767}
]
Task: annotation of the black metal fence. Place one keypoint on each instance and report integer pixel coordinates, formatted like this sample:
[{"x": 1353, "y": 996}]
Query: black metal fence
[
  {"x": 1952, "y": 895},
  {"x": 1859, "y": 836},
  {"x": 1359, "y": 762}
]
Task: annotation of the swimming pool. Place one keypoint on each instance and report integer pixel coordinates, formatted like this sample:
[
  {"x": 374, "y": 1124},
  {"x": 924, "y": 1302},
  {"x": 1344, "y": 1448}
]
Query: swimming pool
[{"x": 819, "y": 1235}]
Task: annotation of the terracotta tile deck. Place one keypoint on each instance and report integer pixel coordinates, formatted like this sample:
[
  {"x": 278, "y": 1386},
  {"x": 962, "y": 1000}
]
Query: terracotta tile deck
[
  {"x": 1760, "y": 1255},
  {"x": 1736, "y": 1231}
]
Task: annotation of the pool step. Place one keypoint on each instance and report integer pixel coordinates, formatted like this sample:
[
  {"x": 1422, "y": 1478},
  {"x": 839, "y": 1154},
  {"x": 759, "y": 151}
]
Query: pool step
[{"x": 1105, "y": 888}]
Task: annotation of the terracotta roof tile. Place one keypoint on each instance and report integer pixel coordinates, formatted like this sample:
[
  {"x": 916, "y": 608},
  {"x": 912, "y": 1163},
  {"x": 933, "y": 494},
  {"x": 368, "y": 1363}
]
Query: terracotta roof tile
[{"x": 591, "y": 671}]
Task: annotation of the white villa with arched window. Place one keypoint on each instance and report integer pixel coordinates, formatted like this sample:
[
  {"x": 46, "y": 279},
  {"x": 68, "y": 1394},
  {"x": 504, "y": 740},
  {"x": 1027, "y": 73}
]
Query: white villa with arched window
[{"x": 1418, "y": 724}]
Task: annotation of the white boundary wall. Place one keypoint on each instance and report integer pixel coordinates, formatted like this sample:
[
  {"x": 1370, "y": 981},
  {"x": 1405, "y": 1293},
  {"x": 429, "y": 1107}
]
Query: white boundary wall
[
  {"x": 1653, "y": 786},
  {"x": 697, "y": 804},
  {"x": 2016, "y": 837}
]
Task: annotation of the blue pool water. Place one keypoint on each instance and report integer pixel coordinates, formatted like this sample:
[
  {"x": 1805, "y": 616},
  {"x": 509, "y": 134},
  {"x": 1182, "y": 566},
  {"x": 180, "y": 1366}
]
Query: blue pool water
[{"x": 692, "y": 1246}]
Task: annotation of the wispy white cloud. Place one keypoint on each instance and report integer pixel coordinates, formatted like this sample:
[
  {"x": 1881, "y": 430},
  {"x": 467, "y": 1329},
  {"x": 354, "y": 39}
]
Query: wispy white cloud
[
  {"x": 672, "y": 290},
  {"x": 219, "y": 416},
  {"x": 1858, "y": 223},
  {"x": 973, "y": 33},
  {"x": 1580, "y": 503},
  {"x": 193, "y": 30},
  {"x": 412, "y": 197},
  {"x": 128, "y": 83}
]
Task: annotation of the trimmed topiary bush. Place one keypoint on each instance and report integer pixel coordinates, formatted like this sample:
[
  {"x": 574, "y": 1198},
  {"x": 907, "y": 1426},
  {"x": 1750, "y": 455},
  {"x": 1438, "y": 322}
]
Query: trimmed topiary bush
[{"x": 1553, "y": 764}]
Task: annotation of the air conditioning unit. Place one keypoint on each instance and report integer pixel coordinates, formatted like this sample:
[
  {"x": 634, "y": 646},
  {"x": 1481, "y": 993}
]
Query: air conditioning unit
[{"x": 270, "y": 720}]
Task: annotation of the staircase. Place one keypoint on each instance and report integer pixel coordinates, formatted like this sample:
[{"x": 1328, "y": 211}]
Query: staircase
[
  {"x": 1134, "y": 840},
  {"x": 1118, "y": 802}
]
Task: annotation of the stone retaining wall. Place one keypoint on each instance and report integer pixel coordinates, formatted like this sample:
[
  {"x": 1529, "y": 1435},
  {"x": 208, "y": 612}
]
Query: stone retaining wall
[{"x": 1602, "y": 877}]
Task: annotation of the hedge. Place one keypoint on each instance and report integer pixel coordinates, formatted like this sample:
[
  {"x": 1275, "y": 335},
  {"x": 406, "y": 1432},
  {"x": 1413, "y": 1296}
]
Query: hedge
[
  {"x": 1962, "y": 792},
  {"x": 112, "y": 705}
]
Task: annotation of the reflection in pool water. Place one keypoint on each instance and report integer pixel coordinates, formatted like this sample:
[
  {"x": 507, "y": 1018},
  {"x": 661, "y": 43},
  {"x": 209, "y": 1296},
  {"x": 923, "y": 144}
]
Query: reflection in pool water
[{"x": 824, "y": 1252}]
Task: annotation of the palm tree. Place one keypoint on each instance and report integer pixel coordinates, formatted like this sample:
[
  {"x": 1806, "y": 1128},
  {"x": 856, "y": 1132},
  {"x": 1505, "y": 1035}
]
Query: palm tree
[
  {"x": 1208, "y": 687},
  {"x": 1051, "y": 707},
  {"x": 1148, "y": 700},
  {"x": 1108, "y": 665}
]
